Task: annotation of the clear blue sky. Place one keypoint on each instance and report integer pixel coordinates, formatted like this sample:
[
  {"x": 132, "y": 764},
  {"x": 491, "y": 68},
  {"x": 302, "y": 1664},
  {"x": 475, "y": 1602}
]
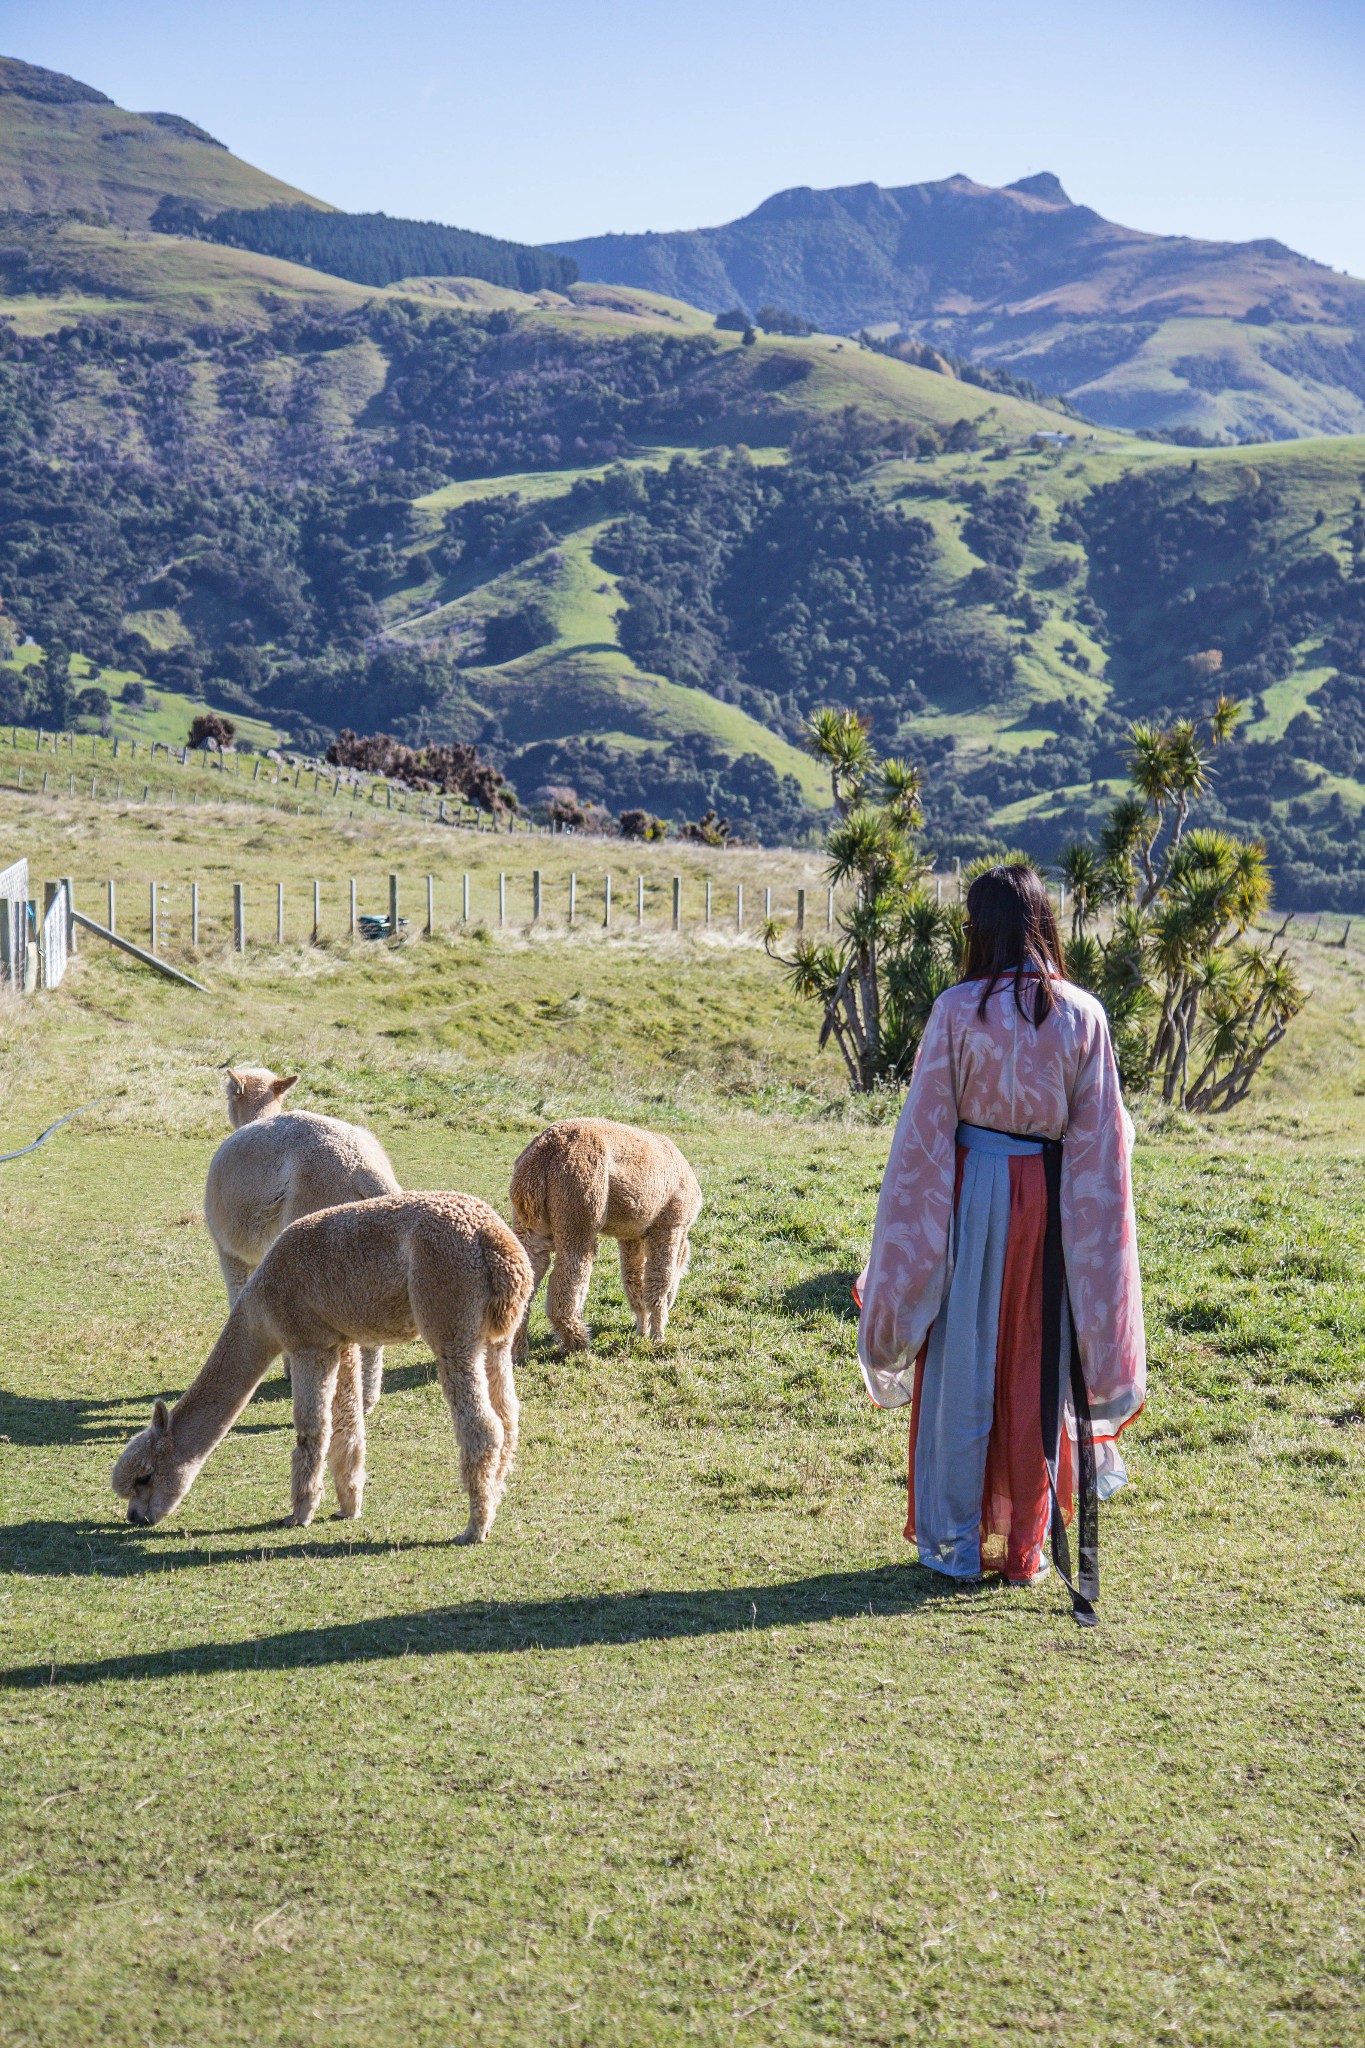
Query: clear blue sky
[{"x": 547, "y": 119}]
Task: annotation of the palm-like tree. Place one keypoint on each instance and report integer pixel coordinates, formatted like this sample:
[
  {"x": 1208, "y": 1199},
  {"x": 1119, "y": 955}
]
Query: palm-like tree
[
  {"x": 841, "y": 739},
  {"x": 1082, "y": 869},
  {"x": 1178, "y": 944},
  {"x": 897, "y": 948}
]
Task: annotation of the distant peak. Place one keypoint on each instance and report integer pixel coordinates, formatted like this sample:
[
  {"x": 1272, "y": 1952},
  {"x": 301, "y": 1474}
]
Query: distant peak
[
  {"x": 1042, "y": 185},
  {"x": 31, "y": 82}
]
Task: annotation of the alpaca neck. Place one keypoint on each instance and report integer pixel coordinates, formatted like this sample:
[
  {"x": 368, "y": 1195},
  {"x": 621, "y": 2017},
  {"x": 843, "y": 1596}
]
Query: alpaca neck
[{"x": 225, "y": 1383}]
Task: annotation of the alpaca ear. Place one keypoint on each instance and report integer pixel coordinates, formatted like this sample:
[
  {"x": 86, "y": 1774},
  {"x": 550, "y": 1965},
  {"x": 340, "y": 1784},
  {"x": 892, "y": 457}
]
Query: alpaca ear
[
  {"x": 234, "y": 1081},
  {"x": 161, "y": 1419},
  {"x": 282, "y": 1084}
]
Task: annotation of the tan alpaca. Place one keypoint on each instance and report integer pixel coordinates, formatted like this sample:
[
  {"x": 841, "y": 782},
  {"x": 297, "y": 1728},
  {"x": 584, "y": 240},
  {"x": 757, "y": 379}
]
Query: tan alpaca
[
  {"x": 585, "y": 1179},
  {"x": 277, "y": 1167},
  {"x": 443, "y": 1267}
]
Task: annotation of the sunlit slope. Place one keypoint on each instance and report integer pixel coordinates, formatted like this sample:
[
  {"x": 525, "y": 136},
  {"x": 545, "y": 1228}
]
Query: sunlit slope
[
  {"x": 64, "y": 145},
  {"x": 160, "y": 282}
]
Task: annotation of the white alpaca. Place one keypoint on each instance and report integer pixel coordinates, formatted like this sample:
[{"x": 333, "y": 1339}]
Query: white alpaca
[{"x": 277, "y": 1167}]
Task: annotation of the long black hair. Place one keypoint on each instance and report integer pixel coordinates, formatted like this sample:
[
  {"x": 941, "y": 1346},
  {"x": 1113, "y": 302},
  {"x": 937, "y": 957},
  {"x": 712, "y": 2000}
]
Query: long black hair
[{"x": 1011, "y": 929}]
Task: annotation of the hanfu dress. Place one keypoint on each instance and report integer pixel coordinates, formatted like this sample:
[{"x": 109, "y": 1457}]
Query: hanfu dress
[{"x": 1002, "y": 1298}]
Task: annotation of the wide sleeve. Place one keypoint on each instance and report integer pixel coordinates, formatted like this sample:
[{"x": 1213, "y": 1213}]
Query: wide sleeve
[
  {"x": 902, "y": 1286},
  {"x": 1099, "y": 1241}
]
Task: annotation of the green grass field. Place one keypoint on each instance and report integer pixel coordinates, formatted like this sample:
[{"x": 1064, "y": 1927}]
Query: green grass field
[{"x": 690, "y": 1751}]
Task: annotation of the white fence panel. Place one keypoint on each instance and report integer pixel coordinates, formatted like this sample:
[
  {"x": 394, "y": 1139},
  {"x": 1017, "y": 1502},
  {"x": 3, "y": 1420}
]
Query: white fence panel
[
  {"x": 52, "y": 942},
  {"x": 14, "y": 926}
]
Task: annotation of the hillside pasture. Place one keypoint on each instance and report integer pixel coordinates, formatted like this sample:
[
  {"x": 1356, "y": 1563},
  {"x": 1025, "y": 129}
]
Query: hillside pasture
[{"x": 689, "y": 1751}]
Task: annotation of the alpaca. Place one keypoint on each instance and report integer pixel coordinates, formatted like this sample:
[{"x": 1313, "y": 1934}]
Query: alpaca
[
  {"x": 587, "y": 1178},
  {"x": 444, "y": 1267},
  {"x": 277, "y": 1167}
]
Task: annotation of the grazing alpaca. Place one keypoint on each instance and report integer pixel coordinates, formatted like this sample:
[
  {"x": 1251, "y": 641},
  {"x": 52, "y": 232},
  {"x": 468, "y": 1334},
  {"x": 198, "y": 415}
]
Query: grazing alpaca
[
  {"x": 443, "y": 1267},
  {"x": 277, "y": 1167},
  {"x": 587, "y": 1178}
]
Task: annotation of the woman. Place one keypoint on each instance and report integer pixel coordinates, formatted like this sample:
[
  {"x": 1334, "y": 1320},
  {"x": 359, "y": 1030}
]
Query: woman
[{"x": 1002, "y": 1296}]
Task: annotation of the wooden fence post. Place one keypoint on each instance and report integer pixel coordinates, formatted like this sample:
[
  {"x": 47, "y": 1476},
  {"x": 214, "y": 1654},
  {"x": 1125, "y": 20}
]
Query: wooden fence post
[
  {"x": 639, "y": 899},
  {"x": 110, "y": 919},
  {"x": 317, "y": 911},
  {"x": 279, "y": 913},
  {"x": 767, "y": 903},
  {"x": 352, "y": 924},
  {"x": 606, "y": 902},
  {"x": 708, "y": 899},
  {"x": 464, "y": 901},
  {"x": 677, "y": 903},
  {"x": 238, "y": 919},
  {"x": 573, "y": 898},
  {"x": 535, "y": 895},
  {"x": 502, "y": 900},
  {"x": 800, "y": 910},
  {"x": 65, "y": 885},
  {"x": 393, "y": 900},
  {"x": 739, "y": 906},
  {"x": 431, "y": 907},
  {"x": 151, "y": 919},
  {"x": 194, "y": 913}
]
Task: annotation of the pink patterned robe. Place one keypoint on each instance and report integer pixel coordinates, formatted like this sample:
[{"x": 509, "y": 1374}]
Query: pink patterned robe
[{"x": 1004, "y": 1073}]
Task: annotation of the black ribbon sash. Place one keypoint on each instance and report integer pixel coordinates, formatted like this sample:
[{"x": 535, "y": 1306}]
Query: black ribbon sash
[{"x": 1085, "y": 1587}]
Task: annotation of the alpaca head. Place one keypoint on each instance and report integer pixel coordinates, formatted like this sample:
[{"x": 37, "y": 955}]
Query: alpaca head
[
  {"x": 149, "y": 1476},
  {"x": 254, "y": 1093}
]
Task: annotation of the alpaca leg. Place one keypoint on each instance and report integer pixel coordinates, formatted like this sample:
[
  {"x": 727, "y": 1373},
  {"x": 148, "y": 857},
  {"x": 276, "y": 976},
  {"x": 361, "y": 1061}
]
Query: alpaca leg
[
  {"x": 502, "y": 1391},
  {"x": 346, "y": 1452},
  {"x": 568, "y": 1291},
  {"x": 314, "y": 1380},
  {"x": 665, "y": 1262},
  {"x": 235, "y": 1272},
  {"x": 478, "y": 1431},
  {"x": 372, "y": 1375},
  {"x": 633, "y": 1278},
  {"x": 538, "y": 1248},
  {"x": 682, "y": 1259}
]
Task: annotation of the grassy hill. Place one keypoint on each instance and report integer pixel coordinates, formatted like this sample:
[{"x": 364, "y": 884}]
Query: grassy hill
[
  {"x": 695, "y": 540},
  {"x": 626, "y": 554},
  {"x": 1247, "y": 340},
  {"x": 65, "y": 145}
]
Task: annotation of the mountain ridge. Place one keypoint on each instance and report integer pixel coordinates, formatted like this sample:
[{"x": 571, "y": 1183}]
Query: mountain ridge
[{"x": 1023, "y": 277}]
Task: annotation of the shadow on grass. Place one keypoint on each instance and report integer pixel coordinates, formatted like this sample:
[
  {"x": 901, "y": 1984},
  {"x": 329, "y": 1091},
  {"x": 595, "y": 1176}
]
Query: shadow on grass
[
  {"x": 828, "y": 1294},
  {"x": 496, "y": 1627},
  {"x": 33, "y": 1420},
  {"x": 113, "y": 1550},
  {"x": 397, "y": 1379}
]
